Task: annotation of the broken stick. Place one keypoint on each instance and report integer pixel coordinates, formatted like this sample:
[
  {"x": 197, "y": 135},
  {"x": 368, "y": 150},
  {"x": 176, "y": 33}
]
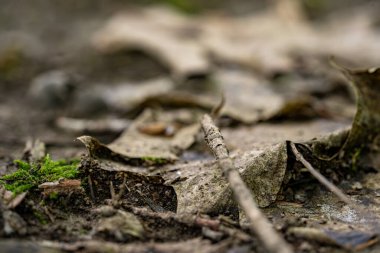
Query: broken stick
[
  {"x": 259, "y": 224},
  {"x": 320, "y": 177},
  {"x": 367, "y": 215}
]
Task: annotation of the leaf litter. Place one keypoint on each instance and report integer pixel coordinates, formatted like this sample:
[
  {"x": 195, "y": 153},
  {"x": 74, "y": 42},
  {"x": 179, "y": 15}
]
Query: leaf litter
[
  {"x": 200, "y": 186},
  {"x": 139, "y": 188}
]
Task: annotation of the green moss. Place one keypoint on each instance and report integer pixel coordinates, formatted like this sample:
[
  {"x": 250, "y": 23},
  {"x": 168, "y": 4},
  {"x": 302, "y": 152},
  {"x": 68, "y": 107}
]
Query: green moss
[
  {"x": 53, "y": 196},
  {"x": 40, "y": 217},
  {"x": 11, "y": 63},
  {"x": 29, "y": 176},
  {"x": 154, "y": 160},
  {"x": 185, "y": 6},
  {"x": 355, "y": 158}
]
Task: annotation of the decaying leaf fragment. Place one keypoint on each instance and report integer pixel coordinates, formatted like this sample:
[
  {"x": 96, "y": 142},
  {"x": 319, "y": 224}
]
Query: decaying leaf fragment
[
  {"x": 121, "y": 226},
  {"x": 192, "y": 245},
  {"x": 132, "y": 155},
  {"x": 34, "y": 150},
  {"x": 10, "y": 200},
  {"x": 137, "y": 146},
  {"x": 93, "y": 126},
  {"x": 261, "y": 156},
  {"x": 273, "y": 42},
  {"x": 11, "y": 222},
  {"x": 126, "y": 96},
  {"x": 200, "y": 185},
  {"x": 160, "y": 32},
  {"x": 360, "y": 145},
  {"x": 247, "y": 96},
  {"x": 351, "y": 240},
  {"x": 201, "y": 188},
  {"x": 365, "y": 131},
  {"x": 116, "y": 180}
]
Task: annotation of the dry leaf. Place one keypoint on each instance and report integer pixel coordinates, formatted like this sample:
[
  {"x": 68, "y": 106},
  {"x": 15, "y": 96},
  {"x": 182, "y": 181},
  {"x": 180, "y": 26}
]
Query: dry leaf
[
  {"x": 351, "y": 240},
  {"x": 160, "y": 32},
  {"x": 10, "y": 200},
  {"x": 148, "y": 149},
  {"x": 121, "y": 226},
  {"x": 200, "y": 187},
  {"x": 126, "y": 97},
  {"x": 108, "y": 125},
  {"x": 365, "y": 131}
]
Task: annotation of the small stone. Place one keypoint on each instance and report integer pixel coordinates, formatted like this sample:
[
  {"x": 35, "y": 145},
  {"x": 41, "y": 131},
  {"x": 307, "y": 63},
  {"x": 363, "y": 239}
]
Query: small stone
[
  {"x": 211, "y": 234},
  {"x": 89, "y": 101},
  {"x": 121, "y": 226},
  {"x": 105, "y": 211},
  {"x": 51, "y": 89},
  {"x": 357, "y": 186},
  {"x": 300, "y": 196},
  {"x": 305, "y": 247},
  {"x": 13, "y": 223}
]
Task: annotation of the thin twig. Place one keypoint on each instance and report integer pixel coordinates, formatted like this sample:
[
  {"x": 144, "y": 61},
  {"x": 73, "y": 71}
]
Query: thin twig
[
  {"x": 112, "y": 191},
  {"x": 320, "y": 177},
  {"x": 48, "y": 214},
  {"x": 195, "y": 220},
  {"x": 259, "y": 224},
  {"x": 215, "y": 112},
  {"x": 122, "y": 189},
  {"x": 366, "y": 214},
  {"x": 91, "y": 189}
]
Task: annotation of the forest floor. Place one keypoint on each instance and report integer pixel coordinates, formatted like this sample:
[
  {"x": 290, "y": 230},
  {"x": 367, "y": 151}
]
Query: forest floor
[{"x": 101, "y": 142}]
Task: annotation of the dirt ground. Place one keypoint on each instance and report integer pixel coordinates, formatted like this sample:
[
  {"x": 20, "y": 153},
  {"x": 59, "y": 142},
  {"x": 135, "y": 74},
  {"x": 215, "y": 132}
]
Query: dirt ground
[{"x": 134, "y": 82}]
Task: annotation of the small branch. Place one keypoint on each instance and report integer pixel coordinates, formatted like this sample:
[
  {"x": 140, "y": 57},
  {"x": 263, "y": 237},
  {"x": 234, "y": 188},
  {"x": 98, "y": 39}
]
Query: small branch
[
  {"x": 112, "y": 191},
  {"x": 195, "y": 220},
  {"x": 367, "y": 215},
  {"x": 116, "y": 198},
  {"x": 259, "y": 224},
  {"x": 215, "y": 112},
  {"x": 320, "y": 177},
  {"x": 91, "y": 188},
  {"x": 48, "y": 213}
]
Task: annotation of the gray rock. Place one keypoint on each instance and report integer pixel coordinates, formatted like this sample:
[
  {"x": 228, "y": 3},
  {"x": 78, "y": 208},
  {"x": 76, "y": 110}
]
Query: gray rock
[
  {"x": 52, "y": 89},
  {"x": 13, "y": 223}
]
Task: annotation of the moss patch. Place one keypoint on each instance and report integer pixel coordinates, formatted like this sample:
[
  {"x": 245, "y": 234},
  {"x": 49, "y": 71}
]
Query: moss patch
[
  {"x": 185, "y": 6},
  {"x": 149, "y": 160},
  {"x": 29, "y": 176}
]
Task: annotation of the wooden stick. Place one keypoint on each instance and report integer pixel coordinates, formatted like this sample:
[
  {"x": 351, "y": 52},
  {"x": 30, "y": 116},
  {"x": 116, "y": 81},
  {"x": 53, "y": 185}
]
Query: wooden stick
[
  {"x": 259, "y": 224},
  {"x": 367, "y": 215},
  {"x": 91, "y": 189},
  {"x": 320, "y": 177}
]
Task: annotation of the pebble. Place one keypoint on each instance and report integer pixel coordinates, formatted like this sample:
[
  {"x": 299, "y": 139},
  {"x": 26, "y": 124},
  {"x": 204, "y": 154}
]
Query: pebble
[
  {"x": 52, "y": 89},
  {"x": 357, "y": 186}
]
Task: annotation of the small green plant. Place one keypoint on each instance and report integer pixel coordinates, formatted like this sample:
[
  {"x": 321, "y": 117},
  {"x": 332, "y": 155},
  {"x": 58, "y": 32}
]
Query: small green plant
[
  {"x": 40, "y": 217},
  {"x": 29, "y": 176},
  {"x": 355, "y": 158},
  {"x": 185, "y": 6},
  {"x": 154, "y": 160}
]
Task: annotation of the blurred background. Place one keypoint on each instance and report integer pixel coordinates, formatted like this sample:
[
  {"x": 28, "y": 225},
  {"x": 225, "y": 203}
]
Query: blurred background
[{"x": 74, "y": 67}]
